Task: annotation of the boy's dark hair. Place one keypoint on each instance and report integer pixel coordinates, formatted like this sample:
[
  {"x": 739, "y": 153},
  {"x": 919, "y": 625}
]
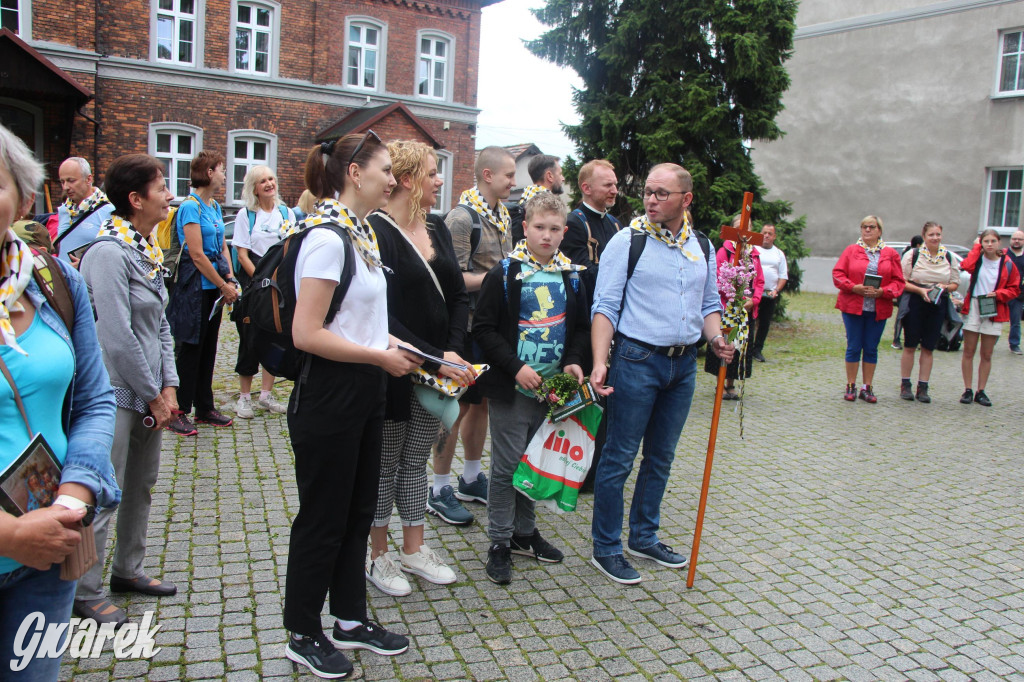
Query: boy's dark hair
[
  {"x": 127, "y": 174},
  {"x": 199, "y": 173}
]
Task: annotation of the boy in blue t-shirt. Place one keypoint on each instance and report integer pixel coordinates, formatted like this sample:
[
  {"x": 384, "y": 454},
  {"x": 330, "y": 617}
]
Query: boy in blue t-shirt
[{"x": 531, "y": 322}]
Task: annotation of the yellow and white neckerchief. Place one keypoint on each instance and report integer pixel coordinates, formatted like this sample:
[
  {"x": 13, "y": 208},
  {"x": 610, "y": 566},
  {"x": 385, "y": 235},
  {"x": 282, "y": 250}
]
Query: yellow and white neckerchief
[
  {"x": 16, "y": 259},
  {"x": 663, "y": 235},
  {"x": 87, "y": 205},
  {"x": 122, "y": 230},
  {"x": 558, "y": 262},
  {"x": 363, "y": 237},
  {"x": 937, "y": 258},
  {"x": 871, "y": 249},
  {"x": 530, "y": 192},
  {"x": 473, "y": 199},
  {"x": 287, "y": 228}
]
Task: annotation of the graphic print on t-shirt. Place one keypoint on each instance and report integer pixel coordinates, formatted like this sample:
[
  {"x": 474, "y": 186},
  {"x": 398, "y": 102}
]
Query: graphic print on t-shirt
[{"x": 542, "y": 322}]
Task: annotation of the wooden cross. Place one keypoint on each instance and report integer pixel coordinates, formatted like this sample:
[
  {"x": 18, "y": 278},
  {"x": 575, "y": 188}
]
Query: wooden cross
[{"x": 742, "y": 235}]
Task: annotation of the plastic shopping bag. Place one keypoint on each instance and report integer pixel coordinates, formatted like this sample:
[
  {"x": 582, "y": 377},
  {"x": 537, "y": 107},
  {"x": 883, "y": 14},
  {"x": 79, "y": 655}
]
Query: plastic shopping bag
[{"x": 558, "y": 458}]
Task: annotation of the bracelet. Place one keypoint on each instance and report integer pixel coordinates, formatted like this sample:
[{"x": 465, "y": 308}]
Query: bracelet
[{"x": 716, "y": 336}]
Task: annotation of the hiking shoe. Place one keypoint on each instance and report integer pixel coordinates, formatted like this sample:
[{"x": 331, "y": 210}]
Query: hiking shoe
[
  {"x": 982, "y": 399},
  {"x": 662, "y": 554},
  {"x": 473, "y": 492},
  {"x": 272, "y": 405},
  {"x": 968, "y": 397},
  {"x": 319, "y": 655},
  {"x": 617, "y": 568},
  {"x": 214, "y": 418},
  {"x": 1016, "y": 350},
  {"x": 384, "y": 573},
  {"x": 896, "y": 345},
  {"x": 758, "y": 356},
  {"x": 499, "y": 564},
  {"x": 427, "y": 565},
  {"x": 243, "y": 408},
  {"x": 449, "y": 509},
  {"x": 922, "y": 393},
  {"x": 372, "y": 636},
  {"x": 851, "y": 392},
  {"x": 867, "y": 395},
  {"x": 181, "y": 424},
  {"x": 905, "y": 391},
  {"x": 536, "y": 546}
]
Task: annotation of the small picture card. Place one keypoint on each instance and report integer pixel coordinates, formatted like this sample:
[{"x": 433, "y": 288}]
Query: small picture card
[
  {"x": 873, "y": 281},
  {"x": 30, "y": 482},
  {"x": 986, "y": 306},
  {"x": 583, "y": 397}
]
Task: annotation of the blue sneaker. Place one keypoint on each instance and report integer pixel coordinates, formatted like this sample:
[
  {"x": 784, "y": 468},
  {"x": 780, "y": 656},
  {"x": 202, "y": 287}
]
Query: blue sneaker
[
  {"x": 617, "y": 568},
  {"x": 449, "y": 509},
  {"x": 661, "y": 554},
  {"x": 473, "y": 492}
]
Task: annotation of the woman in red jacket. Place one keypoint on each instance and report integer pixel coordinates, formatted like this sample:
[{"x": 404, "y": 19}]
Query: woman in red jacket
[
  {"x": 992, "y": 276},
  {"x": 866, "y": 308}
]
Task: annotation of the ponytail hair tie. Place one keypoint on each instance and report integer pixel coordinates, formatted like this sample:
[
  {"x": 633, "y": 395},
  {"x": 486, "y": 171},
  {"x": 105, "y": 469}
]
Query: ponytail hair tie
[{"x": 327, "y": 148}]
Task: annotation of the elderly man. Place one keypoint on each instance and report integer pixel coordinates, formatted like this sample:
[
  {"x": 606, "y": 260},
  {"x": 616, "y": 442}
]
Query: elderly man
[
  {"x": 656, "y": 317},
  {"x": 773, "y": 263},
  {"x": 1016, "y": 254},
  {"x": 84, "y": 209}
]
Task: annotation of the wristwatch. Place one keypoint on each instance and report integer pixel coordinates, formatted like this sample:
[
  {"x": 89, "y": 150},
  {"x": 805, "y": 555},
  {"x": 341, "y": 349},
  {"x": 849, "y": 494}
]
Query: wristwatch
[{"x": 75, "y": 503}]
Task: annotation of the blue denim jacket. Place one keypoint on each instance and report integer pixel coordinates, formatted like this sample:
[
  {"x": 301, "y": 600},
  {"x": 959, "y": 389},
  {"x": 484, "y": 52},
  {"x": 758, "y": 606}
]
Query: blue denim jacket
[{"x": 89, "y": 406}]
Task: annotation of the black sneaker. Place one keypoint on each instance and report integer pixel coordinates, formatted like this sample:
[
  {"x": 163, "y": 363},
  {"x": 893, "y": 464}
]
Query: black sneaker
[
  {"x": 617, "y": 568},
  {"x": 499, "y": 564},
  {"x": 905, "y": 391},
  {"x": 370, "y": 636},
  {"x": 758, "y": 356},
  {"x": 214, "y": 418},
  {"x": 982, "y": 399},
  {"x": 181, "y": 424},
  {"x": 319, "y": 655},
  {"x": 922, "y": 393},
  {"x": 662, "y": 554},
  {"x": 537, "y": 547},
  {"x": 968, "y": 397}
]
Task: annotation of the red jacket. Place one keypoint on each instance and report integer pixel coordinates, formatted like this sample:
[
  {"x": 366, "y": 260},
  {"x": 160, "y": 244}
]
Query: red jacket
[
  {"x": 1007, "y": 286},
  {"x": 849, "y": 272},
  {"x": 725, "y": 255}
]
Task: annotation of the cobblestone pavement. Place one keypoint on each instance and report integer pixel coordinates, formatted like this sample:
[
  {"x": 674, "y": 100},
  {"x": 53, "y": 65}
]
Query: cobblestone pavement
[{"x": 842, "y": 541}]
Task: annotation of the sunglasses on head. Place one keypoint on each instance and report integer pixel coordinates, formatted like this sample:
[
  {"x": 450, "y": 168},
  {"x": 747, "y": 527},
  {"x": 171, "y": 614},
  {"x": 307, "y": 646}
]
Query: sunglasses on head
[{"x": 359, "y": 146}]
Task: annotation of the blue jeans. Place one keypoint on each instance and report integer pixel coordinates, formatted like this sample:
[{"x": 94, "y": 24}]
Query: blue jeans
[
  {"x": 23, "y": 591},
  {"x": 1016, "y": 308},
  {"x": 863, "y": 332},
  {"x": 651, "y": 402}
]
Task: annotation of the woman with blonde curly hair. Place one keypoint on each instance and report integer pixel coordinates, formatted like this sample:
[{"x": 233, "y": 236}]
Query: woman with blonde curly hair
[{"x": 429, "y": 307}]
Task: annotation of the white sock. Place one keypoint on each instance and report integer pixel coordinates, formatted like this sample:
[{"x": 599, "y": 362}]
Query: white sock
[
  {"x": 348, "y": 625},
  {"x": 245, "y": 396},
  {"x": 471, "y": 470},
  {"x": 440, "y": 481},
  {"x": 264, "y": 395}
]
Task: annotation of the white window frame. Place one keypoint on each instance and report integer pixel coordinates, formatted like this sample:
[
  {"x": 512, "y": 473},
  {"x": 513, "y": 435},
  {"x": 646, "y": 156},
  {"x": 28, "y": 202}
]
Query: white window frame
[
  {"x": 987, "y": 204},
  {"x": 274, "y": 46},
  {"x": 173, "y": 128},
  {"x": 382, "y": 51},
  {"x": 250, "y": 136},
  {"x": 198, "y": 33},
  {"x": 1019, "y": 91},
  {"x": 444, "y": 163},
  {"x": 24, "y": 19},
  {"x": 441, "y": 36}
]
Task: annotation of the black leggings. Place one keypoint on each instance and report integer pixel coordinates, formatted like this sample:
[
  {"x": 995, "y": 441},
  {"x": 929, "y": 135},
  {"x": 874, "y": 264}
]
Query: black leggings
[
  {"x": 195, "y": 361},
  {"x": 336, "y": 432}
]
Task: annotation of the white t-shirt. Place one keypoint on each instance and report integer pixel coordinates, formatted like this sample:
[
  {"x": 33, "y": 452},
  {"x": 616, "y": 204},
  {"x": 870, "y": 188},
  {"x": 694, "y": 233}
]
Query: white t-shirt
[
  {"x": 265, "y": 232},
  {"x": 988, "y": 276},
  {"x": 363, "y": 316},
  {"x": 773, "y": 263}
]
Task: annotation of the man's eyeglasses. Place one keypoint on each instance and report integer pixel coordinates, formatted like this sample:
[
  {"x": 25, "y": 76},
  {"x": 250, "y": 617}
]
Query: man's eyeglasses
[
  {"x": 359, "y": 146},
  {"x": 659, "y": 194}
]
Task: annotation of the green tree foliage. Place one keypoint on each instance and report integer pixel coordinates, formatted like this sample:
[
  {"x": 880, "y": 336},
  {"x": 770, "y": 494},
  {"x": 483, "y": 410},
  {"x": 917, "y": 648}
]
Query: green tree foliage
[{"x": 694, "y": 82}]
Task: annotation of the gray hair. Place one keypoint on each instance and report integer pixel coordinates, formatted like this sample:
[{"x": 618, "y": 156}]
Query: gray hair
[
  {"x": 82, "y": 163},
  {"x": 252, "y": 176},
  {"x": 19, "y": 161}
]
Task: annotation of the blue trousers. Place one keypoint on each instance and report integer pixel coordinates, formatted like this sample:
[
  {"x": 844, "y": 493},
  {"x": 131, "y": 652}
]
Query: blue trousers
[{"x": 863, "y": 332}]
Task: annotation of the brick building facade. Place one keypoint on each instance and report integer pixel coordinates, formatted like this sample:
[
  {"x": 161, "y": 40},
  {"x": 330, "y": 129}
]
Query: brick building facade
[{"x": 257, "y": 80}]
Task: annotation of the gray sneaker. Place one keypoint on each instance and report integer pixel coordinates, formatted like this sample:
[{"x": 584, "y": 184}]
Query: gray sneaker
[
  {"x": 447, "y": 507},
  {"x": 475, "y": 491}
]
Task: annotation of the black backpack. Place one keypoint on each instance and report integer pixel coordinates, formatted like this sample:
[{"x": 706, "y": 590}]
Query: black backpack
[
  {"x": 267, "y": 305},
  {"x": 517, "y": 212}
]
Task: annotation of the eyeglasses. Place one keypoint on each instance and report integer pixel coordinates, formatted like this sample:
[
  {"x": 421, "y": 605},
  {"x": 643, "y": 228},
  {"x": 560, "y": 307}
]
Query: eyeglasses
[
  {"x": 869, "y": 227},
  {"x": 659, "y": 194},
  {"x": 359, "y": 146}
]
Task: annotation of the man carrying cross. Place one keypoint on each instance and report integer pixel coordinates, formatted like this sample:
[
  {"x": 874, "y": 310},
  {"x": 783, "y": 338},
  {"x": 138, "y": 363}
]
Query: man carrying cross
[{"x": 655, "y": 316}]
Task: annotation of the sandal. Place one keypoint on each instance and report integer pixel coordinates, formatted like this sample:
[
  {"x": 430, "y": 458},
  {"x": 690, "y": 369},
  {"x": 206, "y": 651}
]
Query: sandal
[
  {"x": 730, "y": 395},
  {"x": 100, "y": 610}
]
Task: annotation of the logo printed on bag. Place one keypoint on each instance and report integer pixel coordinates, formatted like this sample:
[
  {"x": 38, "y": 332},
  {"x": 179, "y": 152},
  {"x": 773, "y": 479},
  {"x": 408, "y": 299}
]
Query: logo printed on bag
[{"x": 558, "y": 443}]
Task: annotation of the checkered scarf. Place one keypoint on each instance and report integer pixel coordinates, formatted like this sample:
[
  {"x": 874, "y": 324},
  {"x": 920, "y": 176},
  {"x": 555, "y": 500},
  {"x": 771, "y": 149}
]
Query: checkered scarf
[
  {"x": 871, "y": 249},
  {"x": 530, "y": 192},
  {"x": 88, "y": 204},
  {"x": 363, "y": 237},
  {"x": 558, "y": 262},
  {"x": 122, "y": 230},
  {"x": 663, "y": 235},
  {"x": 475, "y": 200},
  {"x": 16, "y": 262},
  {"x": 937, "y": 258}
]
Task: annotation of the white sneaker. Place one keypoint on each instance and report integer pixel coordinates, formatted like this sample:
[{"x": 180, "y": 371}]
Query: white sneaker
[
  {"x": 428, "y": 565},
  {"x": 243, "y": 408},
  {"x": 273, "y": 405},
  {"x": 383, "y": 573}
]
